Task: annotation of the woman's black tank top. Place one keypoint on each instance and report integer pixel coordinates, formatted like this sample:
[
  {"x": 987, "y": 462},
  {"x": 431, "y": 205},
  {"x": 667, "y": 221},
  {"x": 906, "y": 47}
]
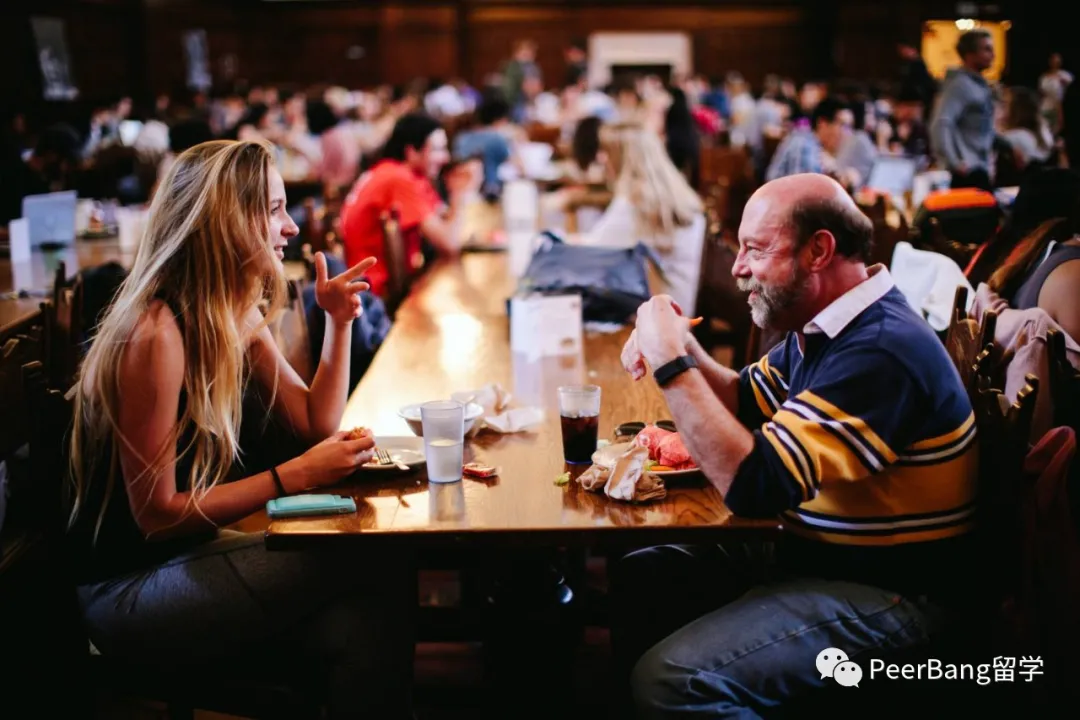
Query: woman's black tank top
[
  {"x": 120, "y": 547},
  {"x": 1027, "y": 296}
]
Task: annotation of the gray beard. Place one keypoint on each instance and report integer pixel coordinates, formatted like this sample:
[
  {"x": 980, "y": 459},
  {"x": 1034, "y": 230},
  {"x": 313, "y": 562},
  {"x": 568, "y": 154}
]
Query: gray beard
[{"x": 772, "y": 301}]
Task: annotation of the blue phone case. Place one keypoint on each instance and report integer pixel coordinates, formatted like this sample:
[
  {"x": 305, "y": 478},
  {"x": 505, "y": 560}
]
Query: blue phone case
[{"x": 306, "y": 505}]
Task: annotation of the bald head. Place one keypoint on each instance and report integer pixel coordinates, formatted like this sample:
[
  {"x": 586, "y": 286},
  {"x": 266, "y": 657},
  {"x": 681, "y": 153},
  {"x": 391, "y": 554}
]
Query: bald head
[{"x": 807, "y": 204}]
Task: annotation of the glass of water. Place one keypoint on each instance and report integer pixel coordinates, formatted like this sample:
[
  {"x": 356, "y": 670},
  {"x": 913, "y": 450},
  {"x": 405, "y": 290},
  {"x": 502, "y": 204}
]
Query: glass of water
[{"x": 444, "y": 439}]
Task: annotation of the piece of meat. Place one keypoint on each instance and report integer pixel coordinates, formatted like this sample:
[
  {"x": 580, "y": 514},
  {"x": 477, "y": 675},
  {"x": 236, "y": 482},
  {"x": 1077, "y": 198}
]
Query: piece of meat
[
  {"x": 650, "y": 439},
  {"x": 673, "y": 453}
]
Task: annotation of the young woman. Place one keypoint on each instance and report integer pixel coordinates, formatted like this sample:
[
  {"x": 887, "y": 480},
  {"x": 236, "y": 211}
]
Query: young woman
[
  {"x": 1043, "y": 271},
  {"x": 1026, "y": 129},
  {"x": 654, "y": 204},
  {"x": 159, "y": 467}
]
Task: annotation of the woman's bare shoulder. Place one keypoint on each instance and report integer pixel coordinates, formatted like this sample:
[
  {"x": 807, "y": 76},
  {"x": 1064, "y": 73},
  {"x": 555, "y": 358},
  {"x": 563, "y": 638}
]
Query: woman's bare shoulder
[{"x": 156, "y": 343}]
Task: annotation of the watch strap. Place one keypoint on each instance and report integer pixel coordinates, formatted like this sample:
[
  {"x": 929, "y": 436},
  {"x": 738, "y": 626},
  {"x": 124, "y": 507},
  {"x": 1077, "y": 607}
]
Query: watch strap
[{"x": 669, "y": 371}]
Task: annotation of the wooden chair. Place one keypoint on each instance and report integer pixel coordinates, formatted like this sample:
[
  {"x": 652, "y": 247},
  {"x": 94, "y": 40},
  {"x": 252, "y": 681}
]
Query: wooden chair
[
  {"x": 965, "y": 340},
  {"x": 990, "y": 622},
  {"x": 15, "y": 353},
  {"x": 64, "y": 332},
  {"x": 720, "y": 302},
  {"x": 885, "y": 234},
  {"x": 37, "y": 606},
  {"x": 733, "y": 169},
  {"x": 31, "y": 324},
  {"x": 397, "y": 262},
  {"x": 548, "y": 134},
  {"x": 312, "y": 231},
  {"x": 589, "y": 199},
  {"x": 1064, "y": 382},
  {"x": 290, "y": 331},
  {"x": 935, "y": 240}
]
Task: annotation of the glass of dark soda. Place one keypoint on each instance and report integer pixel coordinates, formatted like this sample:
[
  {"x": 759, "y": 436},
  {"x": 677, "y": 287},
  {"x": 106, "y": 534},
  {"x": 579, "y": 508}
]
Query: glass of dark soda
[{"x": 579, "y": 409}]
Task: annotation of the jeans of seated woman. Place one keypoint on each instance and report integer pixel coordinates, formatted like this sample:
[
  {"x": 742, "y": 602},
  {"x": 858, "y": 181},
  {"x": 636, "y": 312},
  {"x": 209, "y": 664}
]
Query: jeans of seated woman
[
  {"x": 704, "y": 641},
  {"x": 284, "y": 613}
]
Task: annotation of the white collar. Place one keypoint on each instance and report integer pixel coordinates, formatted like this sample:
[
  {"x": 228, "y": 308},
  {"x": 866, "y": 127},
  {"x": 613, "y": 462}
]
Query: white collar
[{"x": 841, "y": 311}]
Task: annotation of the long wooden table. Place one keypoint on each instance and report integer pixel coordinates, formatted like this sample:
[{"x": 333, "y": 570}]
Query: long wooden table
[{"x": 452, "y": 335}]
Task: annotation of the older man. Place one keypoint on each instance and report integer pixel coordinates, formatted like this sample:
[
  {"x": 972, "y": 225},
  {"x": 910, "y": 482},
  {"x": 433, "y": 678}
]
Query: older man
[{"x": 855, "y": 429}]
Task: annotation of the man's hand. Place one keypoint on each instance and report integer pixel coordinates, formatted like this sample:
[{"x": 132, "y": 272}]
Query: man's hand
[
  {"x": 632, "y": 359},
  {"x": 661, "y": 331}
]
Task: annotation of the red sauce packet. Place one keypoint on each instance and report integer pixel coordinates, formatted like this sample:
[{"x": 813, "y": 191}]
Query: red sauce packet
[{"x": 479, "y": 471}]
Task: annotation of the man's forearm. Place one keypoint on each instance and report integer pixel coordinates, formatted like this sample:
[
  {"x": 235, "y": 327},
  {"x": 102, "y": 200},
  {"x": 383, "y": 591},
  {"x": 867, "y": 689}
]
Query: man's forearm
[
  {"x": 713, "y": 436},
  {"x": 723, "y": 381}
]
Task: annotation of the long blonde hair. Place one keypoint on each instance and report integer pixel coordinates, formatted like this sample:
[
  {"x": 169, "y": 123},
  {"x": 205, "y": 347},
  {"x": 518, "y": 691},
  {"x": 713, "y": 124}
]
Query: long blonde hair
[
  {"x": 663, "y": 200},
  {"x": 206, "y": 252}
]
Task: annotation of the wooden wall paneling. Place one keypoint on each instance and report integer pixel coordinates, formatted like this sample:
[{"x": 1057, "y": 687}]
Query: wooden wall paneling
[
  {"x": 303, "y": 45},
  {"x": 867, "y": 35},
  {"x": 166, "y": 24},
  {"x": 754, "y": 41},
  {"x": 20, "y": 87},
  {"x": 753, "y": 52},
  {"x": 419, "y": 42}
]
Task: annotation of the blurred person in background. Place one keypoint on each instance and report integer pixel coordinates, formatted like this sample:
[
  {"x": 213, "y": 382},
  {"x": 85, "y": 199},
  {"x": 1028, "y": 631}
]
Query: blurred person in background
[
  {"x": 489, "y": 142},
  {"x": 1052, "y": 86},
  {"x": 576, "y": 56},
  {"x": 653, "y": 204},
  {"x": 858, "y": 152},
  {"x": 915, "y": 79},
  {"x": 962, "y": 126},
  {"x": 401, "y": 181},
  {"x": 522, "y": 65},
  {"x": 339, "y": 162},
  {"x": 681, "y": 136},
  {"x": 1026, "y": 130},
  {"x": 51, "y": 167},
  {"x": 814, "y": 150}
]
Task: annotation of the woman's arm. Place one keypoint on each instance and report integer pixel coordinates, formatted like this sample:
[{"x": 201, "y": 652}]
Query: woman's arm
[
  {"x": 152, "y": 375},
  {"x": 313, "y": 413},
  {"x": 1060, "y": 297}
]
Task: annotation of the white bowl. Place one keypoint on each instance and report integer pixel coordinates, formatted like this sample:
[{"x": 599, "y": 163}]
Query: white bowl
[{"x": 411, "y": 415}]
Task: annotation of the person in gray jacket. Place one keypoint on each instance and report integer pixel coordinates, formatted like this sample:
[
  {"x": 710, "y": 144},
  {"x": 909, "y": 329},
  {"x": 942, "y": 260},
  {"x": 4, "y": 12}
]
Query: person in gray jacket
[{"x": 962, "y": 127}]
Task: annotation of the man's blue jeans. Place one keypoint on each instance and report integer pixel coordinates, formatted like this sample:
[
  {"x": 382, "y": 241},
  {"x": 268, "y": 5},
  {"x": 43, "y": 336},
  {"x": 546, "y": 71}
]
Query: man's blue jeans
[{"x": 706, "y": 647}]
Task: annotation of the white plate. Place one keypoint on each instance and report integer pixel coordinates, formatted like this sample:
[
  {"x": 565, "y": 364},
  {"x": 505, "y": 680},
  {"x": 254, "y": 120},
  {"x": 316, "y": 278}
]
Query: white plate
[
  {"x": 409, "y": 450},
  {"x": 606, "y": 456}
]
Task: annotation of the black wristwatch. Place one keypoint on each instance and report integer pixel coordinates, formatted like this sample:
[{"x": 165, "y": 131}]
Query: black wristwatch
[{"x": 669, "y": 371}]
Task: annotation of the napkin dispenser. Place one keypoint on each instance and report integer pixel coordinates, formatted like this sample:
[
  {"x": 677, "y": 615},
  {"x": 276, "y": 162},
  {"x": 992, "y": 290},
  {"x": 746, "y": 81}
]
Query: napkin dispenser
[{"x": 543, "y": 325}]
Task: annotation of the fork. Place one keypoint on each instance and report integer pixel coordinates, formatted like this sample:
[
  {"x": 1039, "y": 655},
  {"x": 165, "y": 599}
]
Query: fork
[{"x": 385, "y": 459}]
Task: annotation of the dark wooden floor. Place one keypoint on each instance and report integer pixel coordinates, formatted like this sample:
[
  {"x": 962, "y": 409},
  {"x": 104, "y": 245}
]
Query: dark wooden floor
[{"x": 449, "y": 685}]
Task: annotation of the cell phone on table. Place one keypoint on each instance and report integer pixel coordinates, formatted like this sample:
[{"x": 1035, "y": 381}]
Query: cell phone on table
[{"x": 310, "y": 505}]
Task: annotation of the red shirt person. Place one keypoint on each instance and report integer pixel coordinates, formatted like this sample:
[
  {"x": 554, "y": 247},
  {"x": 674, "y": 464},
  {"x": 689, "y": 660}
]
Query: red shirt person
[{"x": 415, "y": 152}]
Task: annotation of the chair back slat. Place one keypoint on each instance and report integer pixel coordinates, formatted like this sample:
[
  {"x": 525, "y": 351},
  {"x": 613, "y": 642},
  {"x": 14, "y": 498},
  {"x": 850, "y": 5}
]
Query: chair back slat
[
  {"x": 396, "y": 260},
  {"x": 966, "y": 338},
  {"x": 1064, "y": 382},
  {"x": 290, "y": 331},
  {"x": 15, "y": 353},
  {"x": 1003, "y": 431}
]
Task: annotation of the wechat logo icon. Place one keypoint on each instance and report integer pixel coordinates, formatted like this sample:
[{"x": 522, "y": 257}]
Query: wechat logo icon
[{"x": 834, "y": 663}]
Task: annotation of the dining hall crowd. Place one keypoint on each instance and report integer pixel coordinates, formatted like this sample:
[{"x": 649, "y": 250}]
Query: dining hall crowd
[{"x": 851, "y": 402}]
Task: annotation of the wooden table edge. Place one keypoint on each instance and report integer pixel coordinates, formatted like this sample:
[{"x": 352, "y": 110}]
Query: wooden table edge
[{"x": 741, "y": 529}]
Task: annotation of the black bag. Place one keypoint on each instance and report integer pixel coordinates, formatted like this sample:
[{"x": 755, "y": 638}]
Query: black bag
[{"x": 612, "y": 282}]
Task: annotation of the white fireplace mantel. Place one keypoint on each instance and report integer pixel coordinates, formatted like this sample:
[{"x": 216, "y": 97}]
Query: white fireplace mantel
[{"x": 608, "y": 49}]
